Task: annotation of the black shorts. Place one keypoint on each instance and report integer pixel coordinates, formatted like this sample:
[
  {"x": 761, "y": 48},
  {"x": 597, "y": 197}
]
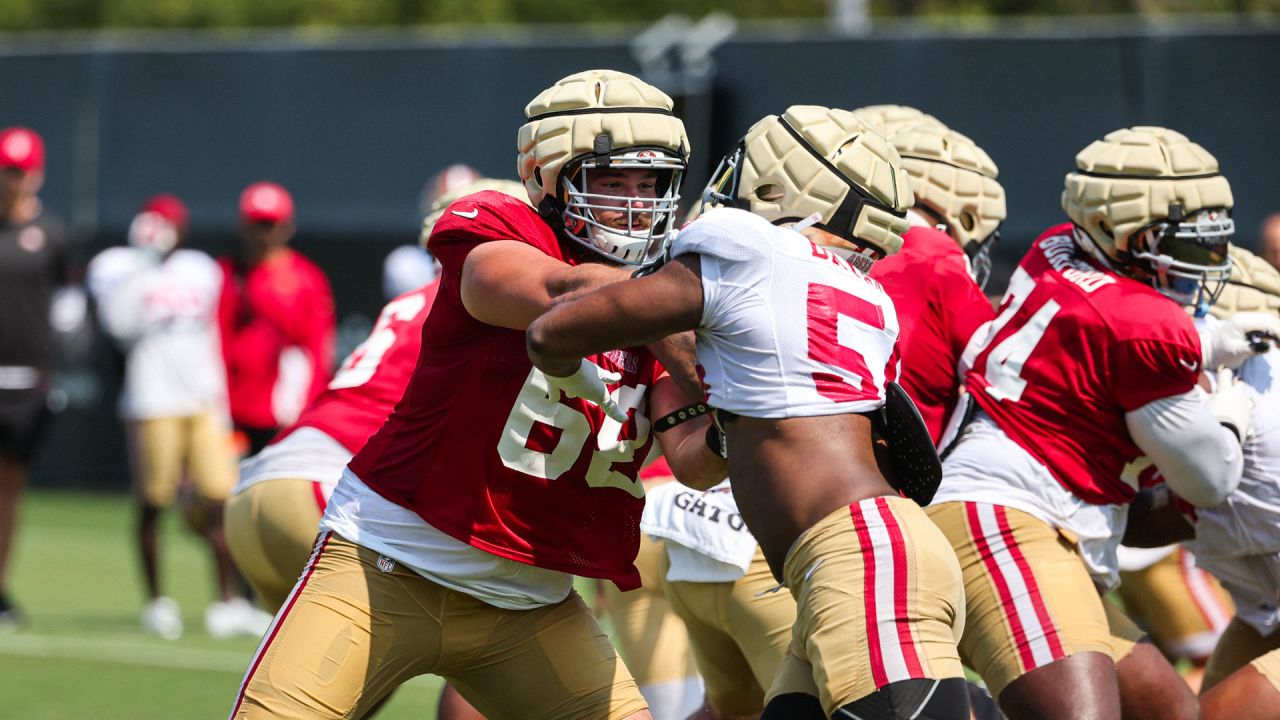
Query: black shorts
[{"x": 23, "y": 417}]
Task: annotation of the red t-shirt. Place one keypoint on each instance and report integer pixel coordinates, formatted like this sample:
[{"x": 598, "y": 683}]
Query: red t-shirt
[
  {"x": 372, "y": 379},
  {"x": 276, "y": 315},
  {"x": 481, "y": 450},
  {"x": 1073, "y": 348},
  {"x": 939, "y": 306}
]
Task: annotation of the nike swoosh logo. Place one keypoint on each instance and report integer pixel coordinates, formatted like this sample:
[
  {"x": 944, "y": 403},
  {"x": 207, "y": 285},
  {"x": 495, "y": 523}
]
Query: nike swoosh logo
[
  {"x": 468, "y": 215},
  {"x": 1189, "y": 365}
]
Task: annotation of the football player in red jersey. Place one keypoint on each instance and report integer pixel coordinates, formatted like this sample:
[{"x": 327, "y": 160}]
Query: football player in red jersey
[
  {"x": 277, "y": 320},
  {"x": 273, "y": 512},
  {"x": 936, "y": 279},
  {"x": 1089, "y": 368},
  {"x": 449, "y": 545},
  {"x": 797, "y": 344}
]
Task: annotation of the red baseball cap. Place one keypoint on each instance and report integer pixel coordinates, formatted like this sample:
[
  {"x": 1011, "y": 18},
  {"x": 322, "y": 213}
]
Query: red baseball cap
[
  {"x": 265, "y": 202},
  {"x": 21, "y": 148},
  {"x": 170, "y": 208}
]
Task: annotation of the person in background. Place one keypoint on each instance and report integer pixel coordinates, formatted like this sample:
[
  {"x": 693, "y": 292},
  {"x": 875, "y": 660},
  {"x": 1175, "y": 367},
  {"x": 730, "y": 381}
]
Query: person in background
[
  {"x": 1269, "y": 246},
  {"x": 35, "y": 260},
  {"x": 409, "y": 267},
  {"x": 277, "y": 320},
  {"x": 158, "y": 302}
]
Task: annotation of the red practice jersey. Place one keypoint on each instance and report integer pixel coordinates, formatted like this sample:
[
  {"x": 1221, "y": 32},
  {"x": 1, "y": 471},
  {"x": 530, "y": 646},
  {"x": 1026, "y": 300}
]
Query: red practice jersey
[
  {"x": 1073, "y": 348},
  {"x": 482, "y": 450},
  {"x": 939, "y": 306},
  {"x": 278, "y": 332},
  {"x": 372, "y": 379}
]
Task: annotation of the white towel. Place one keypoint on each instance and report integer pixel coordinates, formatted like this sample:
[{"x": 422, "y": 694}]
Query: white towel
[{"x": 707, "y": 525}]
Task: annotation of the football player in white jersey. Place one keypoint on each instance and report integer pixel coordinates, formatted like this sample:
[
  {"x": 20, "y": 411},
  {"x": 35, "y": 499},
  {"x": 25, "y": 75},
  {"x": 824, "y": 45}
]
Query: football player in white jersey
[
  {"x": 1238, "y": 541},
  {"x": 158, "y": 302},
  {"x": 797, "y": 345}
]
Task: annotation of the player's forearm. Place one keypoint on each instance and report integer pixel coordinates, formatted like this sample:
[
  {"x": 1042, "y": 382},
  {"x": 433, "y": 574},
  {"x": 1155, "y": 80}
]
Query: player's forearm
[
  {"x": 625, "y": 314},
  {"x": 685, "y": 446},
  {"x": 691, "y": 461},
  {"x": 558, "y": 340},
  {"x": 678, "y": 355}
]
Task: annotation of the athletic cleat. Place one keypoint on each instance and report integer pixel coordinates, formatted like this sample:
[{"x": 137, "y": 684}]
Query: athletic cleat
[
  {"x": 235, "y": 617},
  {"x": 10, "y": 616},
  {"x": 161, "y": 618}
]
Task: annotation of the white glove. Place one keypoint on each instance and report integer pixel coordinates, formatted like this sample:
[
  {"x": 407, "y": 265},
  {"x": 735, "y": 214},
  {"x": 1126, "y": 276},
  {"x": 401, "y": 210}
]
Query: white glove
[
  {"x": 588, "y": 382},
  {"x": 1231, "y": 405},
  {"x": 1226, "y": 344}
]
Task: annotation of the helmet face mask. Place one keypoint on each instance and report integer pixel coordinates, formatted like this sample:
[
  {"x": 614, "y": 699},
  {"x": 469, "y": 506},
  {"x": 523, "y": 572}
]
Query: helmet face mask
[
  {"x": 1151, "y": 204},
  {"x": 643, "y": 223},
  {"x": 600, "y": 121},
  {"x": 1187, "y": 258},
  {"x": 722, "y": 188},
  {"x": 979, "y": 254}
]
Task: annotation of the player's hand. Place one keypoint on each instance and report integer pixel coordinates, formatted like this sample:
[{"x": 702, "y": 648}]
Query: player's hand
[
  {"x": 590, "y": 382},
  {"x": 1227, "y": 344},
  {"x": 1232, "y": 405}
]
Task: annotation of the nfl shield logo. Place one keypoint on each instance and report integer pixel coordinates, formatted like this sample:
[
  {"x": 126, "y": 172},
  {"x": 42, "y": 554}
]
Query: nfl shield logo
[{"x": 386, "y": 564}]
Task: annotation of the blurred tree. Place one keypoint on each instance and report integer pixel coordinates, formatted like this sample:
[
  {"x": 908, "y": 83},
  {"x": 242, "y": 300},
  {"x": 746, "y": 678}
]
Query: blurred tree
[{"x": 90, "y": 14}]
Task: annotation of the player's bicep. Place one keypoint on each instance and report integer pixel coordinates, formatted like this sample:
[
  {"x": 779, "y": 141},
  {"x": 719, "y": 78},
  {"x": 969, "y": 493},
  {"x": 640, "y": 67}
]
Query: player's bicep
[{"x": 508, "y": 283}]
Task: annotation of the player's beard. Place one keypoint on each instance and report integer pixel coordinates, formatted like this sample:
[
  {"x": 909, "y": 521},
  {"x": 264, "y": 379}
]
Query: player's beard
[{"x": 643, "y": 222}]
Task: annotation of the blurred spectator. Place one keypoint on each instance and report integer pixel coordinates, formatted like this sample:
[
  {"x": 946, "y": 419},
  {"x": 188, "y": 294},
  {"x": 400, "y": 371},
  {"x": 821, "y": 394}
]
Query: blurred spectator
[
  {"x": 410, "y": 266},
  {"x": 34, "y": 262},
  {"x": 1270, "y": 244},
  {"x": 159, "y": 303},
  {"x": 277, "y": 319}
]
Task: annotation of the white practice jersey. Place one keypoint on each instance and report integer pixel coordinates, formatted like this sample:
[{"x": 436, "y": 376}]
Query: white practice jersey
[
  {"x": 164, "y": 315},
  {"x": 1248, "y": 523},
  {"x": 788, "y": 328},
  {"x": 987, "y": 466},
  {"x": 307, "y": 453}
]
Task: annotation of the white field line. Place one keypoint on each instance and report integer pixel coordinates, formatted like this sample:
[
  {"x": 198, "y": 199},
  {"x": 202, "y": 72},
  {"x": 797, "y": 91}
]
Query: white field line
[{"x": 129, "y": 652}]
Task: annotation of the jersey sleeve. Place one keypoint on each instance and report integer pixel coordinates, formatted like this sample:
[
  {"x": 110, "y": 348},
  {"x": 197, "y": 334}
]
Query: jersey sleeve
[
  {"x": 725, "y": 233},
  {"x": 1157, "y": 350},
  {"x": 1147, "y": 369},
  {"x": 724, "y": 241},
  {"x": 113, "y": 282},
  {"x": 477, "y": 219}
]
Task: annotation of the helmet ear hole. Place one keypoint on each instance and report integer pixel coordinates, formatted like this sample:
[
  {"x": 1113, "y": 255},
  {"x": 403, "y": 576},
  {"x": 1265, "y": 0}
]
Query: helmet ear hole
[
  {"x": 769, "y": 192},
  {"x": 537, "y": 176},
  {"x": 968, "y": 221},
  {"x": 1105, "y": 228}
]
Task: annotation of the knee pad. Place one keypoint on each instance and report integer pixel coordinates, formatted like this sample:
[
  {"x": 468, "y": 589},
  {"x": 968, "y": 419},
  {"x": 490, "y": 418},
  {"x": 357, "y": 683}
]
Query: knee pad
[
  {"x": 916, "y": 699},
  {"x": 794, "y": 706}
]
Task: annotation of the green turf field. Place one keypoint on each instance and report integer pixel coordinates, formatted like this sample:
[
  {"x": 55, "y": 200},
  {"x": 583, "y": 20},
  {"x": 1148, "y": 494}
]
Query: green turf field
[{"x": 83, "y": 655}]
